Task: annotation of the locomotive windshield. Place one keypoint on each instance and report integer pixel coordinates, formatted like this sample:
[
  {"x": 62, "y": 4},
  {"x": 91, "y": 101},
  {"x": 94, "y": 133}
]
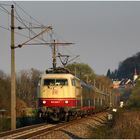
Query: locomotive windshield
[{"x": 56, "y": 82}]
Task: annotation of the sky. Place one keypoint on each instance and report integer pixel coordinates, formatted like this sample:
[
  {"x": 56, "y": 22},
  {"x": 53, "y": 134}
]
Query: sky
[{"x": 103, "y": 33}]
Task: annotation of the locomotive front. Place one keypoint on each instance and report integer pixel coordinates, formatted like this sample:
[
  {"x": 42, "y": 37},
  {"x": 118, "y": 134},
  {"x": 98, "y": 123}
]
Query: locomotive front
[{"x": 57, "y": 96}]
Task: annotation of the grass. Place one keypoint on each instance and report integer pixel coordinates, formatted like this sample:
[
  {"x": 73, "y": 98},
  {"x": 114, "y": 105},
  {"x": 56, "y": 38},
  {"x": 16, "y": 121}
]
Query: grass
[
  {"x": 125, "y": 125},
  {"x": 4, "y": 124}
]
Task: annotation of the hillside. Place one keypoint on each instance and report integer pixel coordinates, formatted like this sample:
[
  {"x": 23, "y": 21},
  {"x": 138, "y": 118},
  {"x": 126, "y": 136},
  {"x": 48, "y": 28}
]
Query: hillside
[{"x": 126, "y": 68}]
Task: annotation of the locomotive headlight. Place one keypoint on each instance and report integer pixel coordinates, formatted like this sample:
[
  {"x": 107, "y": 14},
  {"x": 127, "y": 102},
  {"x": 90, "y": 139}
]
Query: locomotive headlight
[
  {"x": 66, "y": 102},
  {"x": 44, "y": 102}
]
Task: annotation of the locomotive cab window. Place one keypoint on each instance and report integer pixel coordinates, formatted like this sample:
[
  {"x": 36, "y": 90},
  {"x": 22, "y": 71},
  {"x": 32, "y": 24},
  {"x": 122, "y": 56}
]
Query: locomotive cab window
[
  {"x": 75, "y": 82},
  {"x": 55, "y": 82}
]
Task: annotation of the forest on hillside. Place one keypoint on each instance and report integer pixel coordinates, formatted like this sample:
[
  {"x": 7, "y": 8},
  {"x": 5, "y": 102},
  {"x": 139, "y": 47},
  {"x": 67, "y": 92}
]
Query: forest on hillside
[{"x": 126, "y": 68}]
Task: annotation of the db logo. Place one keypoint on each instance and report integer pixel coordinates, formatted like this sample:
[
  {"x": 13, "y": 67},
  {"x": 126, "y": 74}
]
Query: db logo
[{"x": 55, "y": 91}]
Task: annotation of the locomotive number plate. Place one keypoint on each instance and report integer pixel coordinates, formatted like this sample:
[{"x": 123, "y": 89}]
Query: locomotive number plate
[{"x": 55, "y": 102}]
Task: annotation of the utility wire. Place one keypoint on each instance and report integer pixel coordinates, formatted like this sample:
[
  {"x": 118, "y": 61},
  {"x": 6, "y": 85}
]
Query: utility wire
[
  {"x": 28, "y": 21},
  {"x": 35, "y": 37},
  {"x": 28, "y": 14},
  {"x": 22, "y": 22},
  {"x": 5, "y": 28},
  {"x": 40, "y": 24},
  {"x": 4, "y": 4},
  {"x": 20, "y": 34},
  {"x": 14, "y": 16},
  {"x": 4, "y": 10},
  {"x": 19, "y": 19},
  {"x": 7, "y": 12}
]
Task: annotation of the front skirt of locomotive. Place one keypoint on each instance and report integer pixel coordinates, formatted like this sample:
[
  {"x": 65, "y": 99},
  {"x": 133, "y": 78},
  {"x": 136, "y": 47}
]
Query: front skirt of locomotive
[{"x": 58, "y": 109}]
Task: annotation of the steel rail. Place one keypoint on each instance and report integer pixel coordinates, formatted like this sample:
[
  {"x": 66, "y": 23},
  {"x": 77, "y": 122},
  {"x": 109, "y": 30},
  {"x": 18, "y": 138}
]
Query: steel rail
[
  {"x": 38, "y": 131},
  {"x": 6, "y": 133},
  {"x": 64, "y": 125}
]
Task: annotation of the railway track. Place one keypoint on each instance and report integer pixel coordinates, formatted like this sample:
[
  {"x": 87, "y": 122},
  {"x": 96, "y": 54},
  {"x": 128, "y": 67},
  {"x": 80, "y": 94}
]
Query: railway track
[
  {"x": 11, "y": 133},
  {"x": 38, "y": 131},
  {"x": 26, "y": 132},
  {"x": 64, "y": 126}
]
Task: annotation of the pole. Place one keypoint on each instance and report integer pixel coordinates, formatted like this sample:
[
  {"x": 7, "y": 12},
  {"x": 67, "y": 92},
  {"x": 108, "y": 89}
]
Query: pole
[
  {"x": 13, "y": 75},
  {"x": 54, "y": 56}
]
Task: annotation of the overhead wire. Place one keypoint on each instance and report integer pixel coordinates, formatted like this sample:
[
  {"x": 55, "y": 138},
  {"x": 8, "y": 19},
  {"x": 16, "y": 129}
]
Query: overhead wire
[
  {"x": 15, "y": 16},
  {"x": 4, "y": 28},
  {"x": 19, "y": 19},
  {"x": 20, "y": 34},
  {"x": 41, "y": 25},
  {"x": 4, "y": 4},
  {"x": 7, "y": 28},
  {"x": 35, "y": 21},
  {"x": 4, "y": 9},
  {"x": 50, "y": 34},
  {"x": 67, "y": 50},
  {"x": 28, "y": 14},
  {"x": 22, "y": 21},
  {"x": 30, "y": 30}
]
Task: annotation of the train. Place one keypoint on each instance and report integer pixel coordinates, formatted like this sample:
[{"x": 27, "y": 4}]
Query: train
[{"x": 62, "y": 96}]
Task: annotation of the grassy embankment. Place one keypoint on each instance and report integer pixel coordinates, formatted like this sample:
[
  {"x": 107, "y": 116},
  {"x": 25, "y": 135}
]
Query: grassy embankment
[{"x": 125, "y": 125}]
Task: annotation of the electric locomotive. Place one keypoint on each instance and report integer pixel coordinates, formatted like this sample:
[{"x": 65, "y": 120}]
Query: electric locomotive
[{"x": 63, "y": 96}]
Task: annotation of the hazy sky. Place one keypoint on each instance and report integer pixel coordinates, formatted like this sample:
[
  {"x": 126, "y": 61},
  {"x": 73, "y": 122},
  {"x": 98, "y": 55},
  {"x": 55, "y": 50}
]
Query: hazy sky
[{"x": 104, "y": 33}]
